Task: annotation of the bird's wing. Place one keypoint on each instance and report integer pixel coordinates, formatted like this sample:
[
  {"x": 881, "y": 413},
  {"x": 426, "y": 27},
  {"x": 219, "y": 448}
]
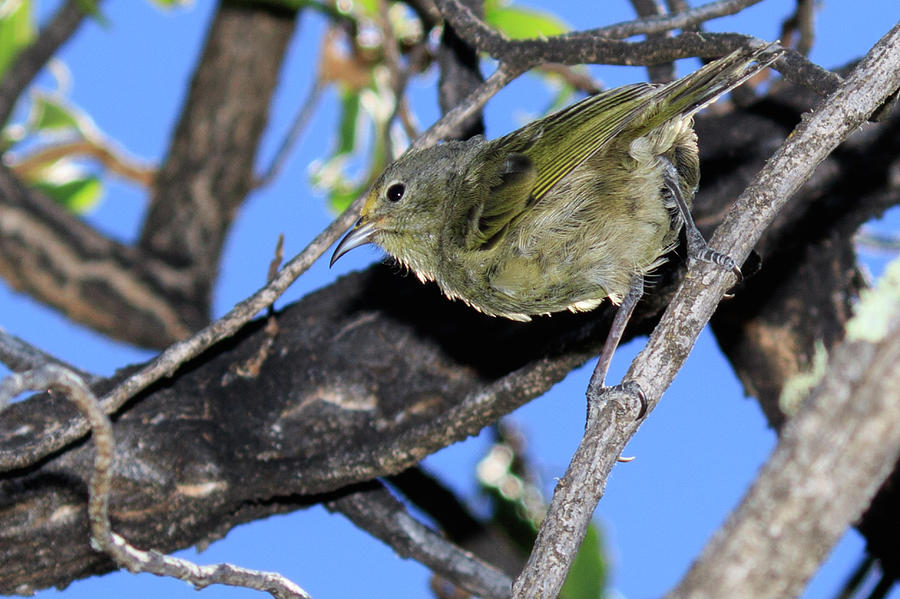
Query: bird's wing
[
  {"x": 502, "y": 192},
  {"x": 518, "y": 169},
  {"x": 571, "y": 136}
]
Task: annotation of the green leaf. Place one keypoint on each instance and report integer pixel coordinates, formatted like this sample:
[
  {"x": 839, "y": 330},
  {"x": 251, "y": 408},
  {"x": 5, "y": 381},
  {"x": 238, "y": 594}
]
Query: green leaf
[
  {"x": 366, "y": 7},
  {"x": 339, "y": 199},
  {"x": 170, "y": 3},
  {"x": 16, "y": 30},
  {"x": 51, "y": 114},
  {"x": 587, "y": 578},
  {"x": 522, "y": 23},
  {"x": 349, "y": 121},
  {"x": 78, "y": 195}
]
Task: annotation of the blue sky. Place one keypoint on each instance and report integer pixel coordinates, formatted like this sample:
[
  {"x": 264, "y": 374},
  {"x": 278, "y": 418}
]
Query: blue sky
[{"x": 697, "y": 452}]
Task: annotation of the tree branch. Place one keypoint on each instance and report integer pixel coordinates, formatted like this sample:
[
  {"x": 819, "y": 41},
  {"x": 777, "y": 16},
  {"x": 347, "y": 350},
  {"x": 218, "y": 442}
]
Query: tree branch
[
  {"x": 208, "y": 171},
  {"x": 372, "y": 508},
  {"x": 599, "y": 46},
  {"x": 58, "y": 259}
]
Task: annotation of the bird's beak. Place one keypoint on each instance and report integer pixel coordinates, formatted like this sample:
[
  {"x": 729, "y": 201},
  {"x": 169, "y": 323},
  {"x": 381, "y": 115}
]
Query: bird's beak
[{"x": 360, "y": 234}]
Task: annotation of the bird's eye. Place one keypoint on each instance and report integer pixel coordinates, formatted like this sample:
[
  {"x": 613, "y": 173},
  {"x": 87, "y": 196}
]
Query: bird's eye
[{"x": 395, "y": 192}]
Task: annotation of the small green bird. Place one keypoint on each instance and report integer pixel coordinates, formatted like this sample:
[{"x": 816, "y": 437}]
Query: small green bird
[{"x": 567, "y": 211}]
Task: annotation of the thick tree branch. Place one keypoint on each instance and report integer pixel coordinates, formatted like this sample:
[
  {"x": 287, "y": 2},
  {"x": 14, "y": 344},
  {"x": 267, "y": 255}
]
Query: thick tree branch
[
  {"x": 577, "y": 494},
  {"x": 55, "y": 257},
  {"x": 102, "y": 536},
  {"x": 325, "y": 422},
  {"x": 209, "y": 167}
]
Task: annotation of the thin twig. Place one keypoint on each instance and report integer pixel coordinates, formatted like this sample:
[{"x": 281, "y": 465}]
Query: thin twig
[
  {"x": 577, "y": 494},
  {"x": 682, "y": 20},
  {"x": 99, "y": 487},
  {"x": 115, "y": 161},
  {"x": 19, "y": 355},
  {"x": 400, "y": 75},
  {"x": 663, "y": 72},
  {"x": 297, "y": 126},
  {"x": 473, "y": 102},
  {"x": 373, "y": 508},
  {"x": 32, "y": 59}
]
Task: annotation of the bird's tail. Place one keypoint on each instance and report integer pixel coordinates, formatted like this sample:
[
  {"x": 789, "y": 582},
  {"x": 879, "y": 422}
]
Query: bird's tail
[{"x": 701, "y": 88}]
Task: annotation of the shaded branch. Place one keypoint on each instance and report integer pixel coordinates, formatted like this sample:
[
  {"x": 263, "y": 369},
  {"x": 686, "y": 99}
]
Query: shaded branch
[
  {"x": 208, "y": 170},
  {"x": 324, "y": 424},
  {"x": 115, "y": 289}
]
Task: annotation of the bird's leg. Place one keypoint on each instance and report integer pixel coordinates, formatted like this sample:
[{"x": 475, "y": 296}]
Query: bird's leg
[
  {"x": 596, "y": 387},
  {"x": 697, "y": 246}
]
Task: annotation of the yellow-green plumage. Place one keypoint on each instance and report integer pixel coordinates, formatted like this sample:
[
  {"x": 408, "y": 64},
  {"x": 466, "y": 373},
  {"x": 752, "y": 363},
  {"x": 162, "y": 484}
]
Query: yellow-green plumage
[{"x": 559, "y": 214}]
